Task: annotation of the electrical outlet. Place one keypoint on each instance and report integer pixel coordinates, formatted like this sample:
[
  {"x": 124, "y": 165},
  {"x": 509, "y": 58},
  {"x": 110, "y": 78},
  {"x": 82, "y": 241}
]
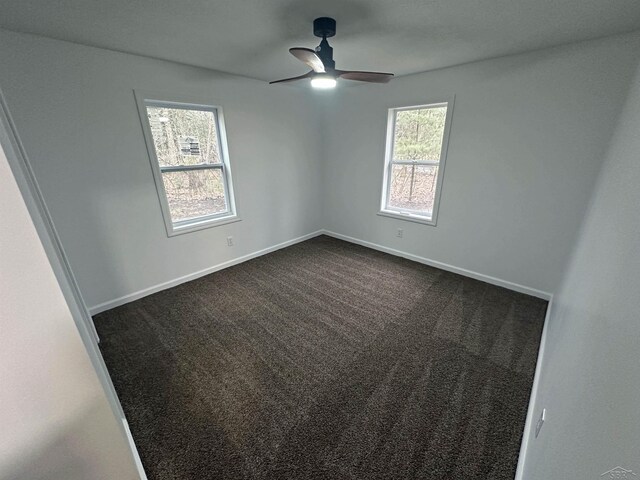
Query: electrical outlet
[
  {"x": 230, "y": 241},
  {"x": 400, "y": 233},
  {"x": 540, "y": 421}
]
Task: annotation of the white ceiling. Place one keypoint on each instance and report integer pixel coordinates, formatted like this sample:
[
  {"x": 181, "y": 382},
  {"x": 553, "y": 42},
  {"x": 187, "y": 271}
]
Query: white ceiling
[{"x": 251, "y": 37}]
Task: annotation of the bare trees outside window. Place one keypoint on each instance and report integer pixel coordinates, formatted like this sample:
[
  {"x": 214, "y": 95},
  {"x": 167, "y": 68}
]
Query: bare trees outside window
[
  {"x": 189, "y": 160},
  {"x": 415, "y": 160}
]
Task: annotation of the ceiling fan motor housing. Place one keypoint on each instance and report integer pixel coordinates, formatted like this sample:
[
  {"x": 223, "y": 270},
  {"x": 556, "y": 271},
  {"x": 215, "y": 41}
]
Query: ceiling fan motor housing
[
  {"x": 323, "y": 67},
  {"x": 324, "y": 27}
]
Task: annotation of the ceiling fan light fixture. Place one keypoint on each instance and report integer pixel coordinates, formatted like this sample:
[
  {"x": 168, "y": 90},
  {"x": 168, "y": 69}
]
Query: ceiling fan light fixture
[
  {"x": 323, "y": 73},
  {"x": 323, "y": 82}
]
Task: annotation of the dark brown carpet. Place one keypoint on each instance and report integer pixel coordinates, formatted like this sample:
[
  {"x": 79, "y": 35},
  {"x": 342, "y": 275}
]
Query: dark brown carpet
[{"x": 326, "y": 360}]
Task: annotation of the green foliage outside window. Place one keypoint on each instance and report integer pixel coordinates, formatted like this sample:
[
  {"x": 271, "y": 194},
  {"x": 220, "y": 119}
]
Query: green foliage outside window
[{"x": 418, "y": 134}]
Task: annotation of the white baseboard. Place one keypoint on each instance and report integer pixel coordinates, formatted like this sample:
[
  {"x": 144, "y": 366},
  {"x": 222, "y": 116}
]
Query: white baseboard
[
  {"x": 531, "y": 411},
  {"x": 134, "y": 450},
  {"x": 444, "y": 266},
  {"x": 433, "y": 263},
  {"x": 530, "y": 421},
  {"x": 116, "y": 302},
  {"x": 532, "y": 415}
]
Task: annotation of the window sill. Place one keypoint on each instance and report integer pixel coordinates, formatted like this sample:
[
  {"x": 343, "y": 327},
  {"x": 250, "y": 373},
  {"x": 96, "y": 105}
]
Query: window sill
[
  {"x": 202, "y": 224},
  {"x": 408, "y": 217}
]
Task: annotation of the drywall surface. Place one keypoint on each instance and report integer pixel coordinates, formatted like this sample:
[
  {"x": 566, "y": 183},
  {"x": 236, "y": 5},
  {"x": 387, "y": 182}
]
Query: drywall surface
[
  {"x": 56, "y": 420},
  {"x": 527, "y": 139},
  {"x": 75, "y": 111},
  {"x": 590, "y": 376},
  {"x": 528, "y": 136}
]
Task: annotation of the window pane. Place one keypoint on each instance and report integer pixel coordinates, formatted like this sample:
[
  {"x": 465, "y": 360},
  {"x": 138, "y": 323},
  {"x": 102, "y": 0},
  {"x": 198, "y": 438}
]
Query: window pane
[
  {"x": 195, "y": 193},
  {"x": 184, "y": 137},
  {"x": 418, "y": 134},
  {"x": 413, "y": 188}
]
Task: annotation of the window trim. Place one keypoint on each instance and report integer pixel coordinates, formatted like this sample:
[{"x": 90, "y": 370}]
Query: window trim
[
  {"x": 406, "y": 214},
  {"x": 144, "y": 99}
]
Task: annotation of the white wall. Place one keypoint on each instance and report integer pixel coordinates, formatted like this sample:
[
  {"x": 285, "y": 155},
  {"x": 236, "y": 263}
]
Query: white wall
[
  {"x": 56, "y": 420},
  {"x": 76, "y": 115},
  {"x": 528, "y": 140},
  {"x": 590, "y": 377},
  {"x": 528, "y": 137}
]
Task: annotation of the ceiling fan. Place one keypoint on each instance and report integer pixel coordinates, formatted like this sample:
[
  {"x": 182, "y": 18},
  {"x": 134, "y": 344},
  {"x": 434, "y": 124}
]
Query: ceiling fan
[{"x": 323, "y": 72}]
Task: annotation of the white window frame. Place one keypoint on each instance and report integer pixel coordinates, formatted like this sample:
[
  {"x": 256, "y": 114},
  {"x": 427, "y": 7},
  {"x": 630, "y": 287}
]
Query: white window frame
[
  {"x": 406, "y": 214},
  {"x": 147, "y": 99}
]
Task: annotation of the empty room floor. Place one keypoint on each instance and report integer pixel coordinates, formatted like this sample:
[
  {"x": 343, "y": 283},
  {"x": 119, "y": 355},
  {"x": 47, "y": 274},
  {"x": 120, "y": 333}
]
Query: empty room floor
[{"x": 326, "y": 360}]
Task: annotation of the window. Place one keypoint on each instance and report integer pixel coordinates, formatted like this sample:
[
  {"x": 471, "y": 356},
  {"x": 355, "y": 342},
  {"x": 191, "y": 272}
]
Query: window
[
  {"x": 414, "y": 166},
  {"x": 188, "y": 154}
]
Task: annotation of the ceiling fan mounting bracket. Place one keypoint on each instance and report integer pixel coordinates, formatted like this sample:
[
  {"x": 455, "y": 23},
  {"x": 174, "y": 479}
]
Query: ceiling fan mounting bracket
[{"x": 324, "y": 27}]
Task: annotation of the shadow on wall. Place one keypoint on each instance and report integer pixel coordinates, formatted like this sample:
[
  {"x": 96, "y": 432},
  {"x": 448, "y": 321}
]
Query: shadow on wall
[
  {"x": 114, "y": 267},
  {"x": 122, "y": 238},
  {"x": 590, "y": 381},
  {"x": 80, "y": 451}
]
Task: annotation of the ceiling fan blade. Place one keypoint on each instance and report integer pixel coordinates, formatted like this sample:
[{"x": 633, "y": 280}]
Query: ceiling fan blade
[
  {"x": 293, "y": 79},
  {"x": 308, "y": 56},
  {"x": 371, "y": 77}
]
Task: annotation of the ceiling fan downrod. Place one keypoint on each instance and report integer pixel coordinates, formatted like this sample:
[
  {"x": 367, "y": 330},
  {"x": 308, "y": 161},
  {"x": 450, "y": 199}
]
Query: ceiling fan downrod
[{"x": 325, "y": 27}]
